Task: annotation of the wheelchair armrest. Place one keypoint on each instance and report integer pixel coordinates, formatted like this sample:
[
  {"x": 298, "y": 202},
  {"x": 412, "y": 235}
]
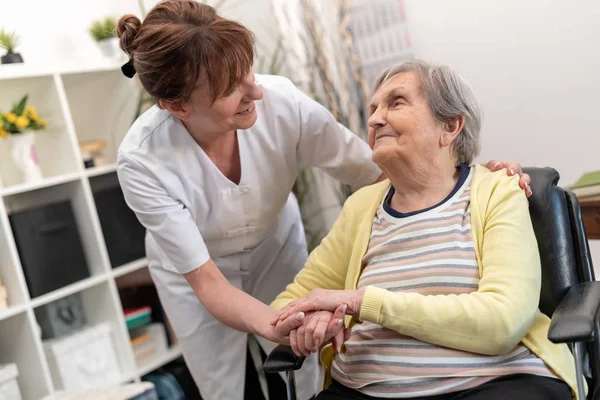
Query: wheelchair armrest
[
  {"x": 283, "y": 359},
  {"x": 574, "y": 318}
]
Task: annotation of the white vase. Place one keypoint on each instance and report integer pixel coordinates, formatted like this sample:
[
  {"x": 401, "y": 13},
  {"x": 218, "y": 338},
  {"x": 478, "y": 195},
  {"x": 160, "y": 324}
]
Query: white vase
[
  {"x": 110, "y": 48},
  {"x": 24, "y": 155}
]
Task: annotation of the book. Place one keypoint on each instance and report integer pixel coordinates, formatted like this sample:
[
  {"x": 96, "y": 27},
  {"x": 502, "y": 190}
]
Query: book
[
  {"x": 588, "y": 179},
  {"x": 134, "y": 318},
  {"x": 587, "y": 191},
  {"x": 588, "y": 185}
]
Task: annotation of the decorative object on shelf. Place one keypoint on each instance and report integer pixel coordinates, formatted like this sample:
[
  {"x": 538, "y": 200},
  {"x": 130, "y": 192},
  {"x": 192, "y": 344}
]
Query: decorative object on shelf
[
  {"x": 61, "y": 317},
  {"x": 9, "y": 386},
  {"x": 148, "y": 341},
  {"x": 3, "y": 297},
  {"x": 92, "y": 152},
  {"x": 86, "y": 359},
  {"x": 18, "y": 125},
  {"x": 9, "y": 41},
  {"x": 104, "y": 33}
]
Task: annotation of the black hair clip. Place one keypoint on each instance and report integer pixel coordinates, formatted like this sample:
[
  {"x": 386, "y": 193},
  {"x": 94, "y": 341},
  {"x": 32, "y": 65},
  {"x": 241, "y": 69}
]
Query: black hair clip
[{"x": 128, "y": 69}]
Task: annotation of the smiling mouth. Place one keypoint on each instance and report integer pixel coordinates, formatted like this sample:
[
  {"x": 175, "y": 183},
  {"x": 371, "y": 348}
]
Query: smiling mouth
[
  {"x": 384, "y": 135},
  {"x": 247, "y": 110}
]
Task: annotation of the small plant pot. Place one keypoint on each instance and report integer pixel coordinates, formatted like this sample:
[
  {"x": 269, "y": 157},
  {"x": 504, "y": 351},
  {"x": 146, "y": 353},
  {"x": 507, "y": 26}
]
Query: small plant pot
[
  {"x": 11, "y": 58},
  {"x": 110, "y": 48}
]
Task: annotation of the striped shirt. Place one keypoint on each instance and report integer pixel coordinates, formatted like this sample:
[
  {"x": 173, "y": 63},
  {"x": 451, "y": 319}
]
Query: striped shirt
[{"x": 430, "y": 252}]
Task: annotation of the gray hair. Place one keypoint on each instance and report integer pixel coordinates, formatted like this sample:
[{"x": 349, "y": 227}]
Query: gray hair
[{"x": 449, "y": 96}]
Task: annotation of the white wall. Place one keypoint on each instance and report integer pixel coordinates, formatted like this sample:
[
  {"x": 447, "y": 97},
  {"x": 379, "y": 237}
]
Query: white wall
[
  {"x": 535, "y": 66},
  {"x": 55, "y": 32}
]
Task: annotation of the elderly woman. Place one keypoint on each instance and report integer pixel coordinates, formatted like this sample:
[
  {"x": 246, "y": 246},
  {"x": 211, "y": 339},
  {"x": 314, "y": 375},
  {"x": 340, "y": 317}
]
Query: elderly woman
[{"x": 438, "y": 266}]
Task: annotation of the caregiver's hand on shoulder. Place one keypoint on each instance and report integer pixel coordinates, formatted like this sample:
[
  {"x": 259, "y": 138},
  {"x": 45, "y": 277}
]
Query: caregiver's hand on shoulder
[
  {"x": 322, "y": 300},
  {"x": 319, "y": 328},
  {"x": 512, "y": 168}
]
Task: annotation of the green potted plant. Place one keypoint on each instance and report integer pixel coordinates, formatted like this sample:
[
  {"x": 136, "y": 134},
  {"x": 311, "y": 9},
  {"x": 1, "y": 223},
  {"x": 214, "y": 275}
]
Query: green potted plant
[
  {"x": 104, "y": 32},
  {"x": 9, "y": 41}
]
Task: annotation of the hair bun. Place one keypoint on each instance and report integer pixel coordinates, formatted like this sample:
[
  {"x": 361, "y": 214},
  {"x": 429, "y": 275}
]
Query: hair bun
[{"x": 127, "y": 28}]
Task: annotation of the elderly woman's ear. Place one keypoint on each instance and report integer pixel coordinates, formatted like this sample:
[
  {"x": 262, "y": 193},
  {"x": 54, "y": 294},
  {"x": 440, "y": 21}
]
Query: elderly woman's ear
[{"x": 451, "y": 130}]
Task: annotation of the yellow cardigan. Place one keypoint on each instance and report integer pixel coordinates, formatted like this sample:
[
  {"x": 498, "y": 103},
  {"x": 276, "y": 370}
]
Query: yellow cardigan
[{"x": 504, "y": 310}]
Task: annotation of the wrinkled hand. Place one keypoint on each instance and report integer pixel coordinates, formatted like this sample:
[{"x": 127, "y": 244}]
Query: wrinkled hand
[
  {"x": 512, "y": 168},
  {"x": 319, "y": 328},
  {"x": 322, "y": 300},
  {"x": 280, "y": 333}
]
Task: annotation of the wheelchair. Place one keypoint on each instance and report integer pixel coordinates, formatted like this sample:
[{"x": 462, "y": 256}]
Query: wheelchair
[{"x": 570, "y": 295}]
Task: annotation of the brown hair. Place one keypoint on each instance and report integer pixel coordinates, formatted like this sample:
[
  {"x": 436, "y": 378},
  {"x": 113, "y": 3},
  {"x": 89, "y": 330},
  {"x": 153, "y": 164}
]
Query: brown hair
[{"x": 179, "y": 40}]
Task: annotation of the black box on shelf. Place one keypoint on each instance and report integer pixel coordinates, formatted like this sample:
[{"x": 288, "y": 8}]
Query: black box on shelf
[
  {"x": 49, "y": 247},
  {"x": 61, "y": 317},
  {"x": 123, "y": 234}
]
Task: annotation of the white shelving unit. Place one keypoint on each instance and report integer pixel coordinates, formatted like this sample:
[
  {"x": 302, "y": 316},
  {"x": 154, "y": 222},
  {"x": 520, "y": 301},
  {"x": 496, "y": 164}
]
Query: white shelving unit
[{"x": 81, "y": 103}]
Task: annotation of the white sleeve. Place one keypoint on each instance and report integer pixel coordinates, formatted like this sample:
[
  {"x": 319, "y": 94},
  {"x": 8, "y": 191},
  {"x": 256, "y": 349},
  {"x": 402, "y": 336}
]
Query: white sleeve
[
  {"x": 166, "y": 219},
  {"x": 327, "y": 144}
]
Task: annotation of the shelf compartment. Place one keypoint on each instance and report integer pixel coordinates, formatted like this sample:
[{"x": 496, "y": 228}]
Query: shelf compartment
[
  {"x": 124, "y": 236},
  {"x": 99, "y": 309},
  {"x": 44, "y": 96},
  {"x": 75, "y": 193},
  {"x": 108, "y": 114},
  {"x": 18, "y": 345},
  {"x": 10, "y": 272}
]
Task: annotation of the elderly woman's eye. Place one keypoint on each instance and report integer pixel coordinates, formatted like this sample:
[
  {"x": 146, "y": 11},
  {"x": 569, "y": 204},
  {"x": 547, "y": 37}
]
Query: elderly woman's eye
[{"x": 397, "y": 103}]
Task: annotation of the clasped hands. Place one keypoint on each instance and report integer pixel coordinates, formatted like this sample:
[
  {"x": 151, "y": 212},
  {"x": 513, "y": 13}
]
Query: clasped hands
[{"x": 318, "y": 319}]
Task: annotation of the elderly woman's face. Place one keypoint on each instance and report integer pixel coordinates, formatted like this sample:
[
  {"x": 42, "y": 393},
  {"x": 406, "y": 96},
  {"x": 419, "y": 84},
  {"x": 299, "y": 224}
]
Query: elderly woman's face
[{"x": 401, "y": 123}]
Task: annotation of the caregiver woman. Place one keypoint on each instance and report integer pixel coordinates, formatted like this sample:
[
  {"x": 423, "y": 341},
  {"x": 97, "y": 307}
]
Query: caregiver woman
[{"x": 208, "y": 171}]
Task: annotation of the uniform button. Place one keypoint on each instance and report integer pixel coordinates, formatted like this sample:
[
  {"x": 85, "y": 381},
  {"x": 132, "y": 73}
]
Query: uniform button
[{"x": 245, "y": 190}]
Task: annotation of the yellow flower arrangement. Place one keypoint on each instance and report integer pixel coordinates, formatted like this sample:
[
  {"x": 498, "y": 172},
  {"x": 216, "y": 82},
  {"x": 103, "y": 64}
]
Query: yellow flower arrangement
[
  {"x": 22, "y": 121},
  {"x": 20, "y": 118},
  {"x": 11, "y": 117}
]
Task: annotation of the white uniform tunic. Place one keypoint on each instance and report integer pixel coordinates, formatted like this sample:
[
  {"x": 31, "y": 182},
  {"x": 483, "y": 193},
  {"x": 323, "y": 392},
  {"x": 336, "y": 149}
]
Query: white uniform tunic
[{"x": 252, "y": 230}]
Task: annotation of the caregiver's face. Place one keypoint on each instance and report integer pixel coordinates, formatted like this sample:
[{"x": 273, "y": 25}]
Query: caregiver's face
[
  {"x": 235, "y": 110},
  {"x": 401, "y": 123}
]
